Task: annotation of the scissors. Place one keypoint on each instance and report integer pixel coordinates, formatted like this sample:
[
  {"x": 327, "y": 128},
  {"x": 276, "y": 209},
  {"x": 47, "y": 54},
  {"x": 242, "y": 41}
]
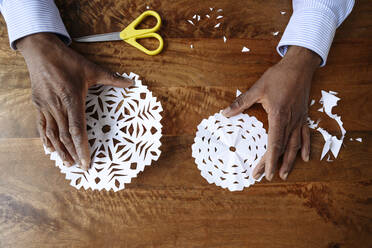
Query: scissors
[{"x": 130, "y": 34}]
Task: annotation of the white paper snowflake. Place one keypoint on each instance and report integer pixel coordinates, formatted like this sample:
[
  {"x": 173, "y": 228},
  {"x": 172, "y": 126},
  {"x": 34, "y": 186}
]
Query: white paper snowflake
[
  {"x": 226, "y": 150},
  {"x": 124, "y": 134}
]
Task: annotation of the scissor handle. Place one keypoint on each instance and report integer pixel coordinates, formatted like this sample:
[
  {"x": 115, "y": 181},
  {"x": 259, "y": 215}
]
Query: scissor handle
[
  {"x": 130, "y": 31},
  {"x": 133, "y": 42}
]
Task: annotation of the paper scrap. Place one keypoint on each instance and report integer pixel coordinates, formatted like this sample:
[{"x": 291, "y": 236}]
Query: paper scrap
[
  {"x": 219, "y": 17},
  {"x": 217, "y": 25},
  {"x": 147, "y": 7},
  {"x": 224, "y": 39},
  {"x": 275, "y": 33},
  {"x": 124, "y": 132},
  {"x": 207, "y": 16},
  {"x": 211, "y": 9},
  {"x": 219, "y": 10},
  {"x": 198, "y": 17},
  {"x": 312, "y": 124},
  {"x": 351, "y": 139},
  {"x": 245, "y": 49},
  {"x": 312, "y": 102},
  {"x": 191, "y": 46},
  {"x": 194, "y": 17},
  {"x": 359, "y": 139},
  {"x": 191, "y": 22},
  {"x": 282, "y": 12},
  {"x": 226, "y": 150},
  {"x": 238, "y": 93}
]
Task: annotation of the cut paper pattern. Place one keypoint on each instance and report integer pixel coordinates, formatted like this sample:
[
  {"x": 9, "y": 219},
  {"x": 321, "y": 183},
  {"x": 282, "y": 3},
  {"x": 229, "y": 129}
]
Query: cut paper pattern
[
  {"x": 124, "y": 134},
  {"x": 331, "y": 143},
  {"x": 226, "y": 150}
]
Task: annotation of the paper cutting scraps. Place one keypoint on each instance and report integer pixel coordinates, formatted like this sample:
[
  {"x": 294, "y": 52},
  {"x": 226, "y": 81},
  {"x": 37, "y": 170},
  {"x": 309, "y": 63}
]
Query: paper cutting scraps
[
  {"x": 226, "y": 150},
  {"x": 245, "y": 49},
  {"x": 124, "y": 133},
  {"x": 331, "y": 143}
]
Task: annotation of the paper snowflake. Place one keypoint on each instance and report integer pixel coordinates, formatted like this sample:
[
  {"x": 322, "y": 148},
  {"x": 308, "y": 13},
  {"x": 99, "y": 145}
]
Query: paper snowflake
[
  {"x": 124, "y": 134},
  {"x": 226, "y": 150}
]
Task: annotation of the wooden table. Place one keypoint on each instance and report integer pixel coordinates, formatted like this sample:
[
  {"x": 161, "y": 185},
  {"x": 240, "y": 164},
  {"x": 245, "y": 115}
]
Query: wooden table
[{"x": 170, "y": 205}]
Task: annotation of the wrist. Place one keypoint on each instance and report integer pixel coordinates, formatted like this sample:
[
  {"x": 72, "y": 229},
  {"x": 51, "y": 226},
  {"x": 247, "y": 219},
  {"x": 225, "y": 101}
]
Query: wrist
[
  {"x": 34, "y": 42},
  {"x": 302, "y": 58}
]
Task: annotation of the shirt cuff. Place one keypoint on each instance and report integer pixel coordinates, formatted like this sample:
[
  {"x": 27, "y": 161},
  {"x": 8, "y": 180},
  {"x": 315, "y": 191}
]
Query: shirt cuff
[
  {"x": 26, "y": 17},
  {"x": 311, "y": 28}
]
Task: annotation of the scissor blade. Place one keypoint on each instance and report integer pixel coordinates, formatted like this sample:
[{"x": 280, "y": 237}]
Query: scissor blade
[{"x": 99, "y": 37}]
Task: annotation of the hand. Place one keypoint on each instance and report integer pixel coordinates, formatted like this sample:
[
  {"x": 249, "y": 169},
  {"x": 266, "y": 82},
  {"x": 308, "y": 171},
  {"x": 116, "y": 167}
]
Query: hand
[
  {"x": 283, "y": 90},
  {"x": 60, "y": 79}
]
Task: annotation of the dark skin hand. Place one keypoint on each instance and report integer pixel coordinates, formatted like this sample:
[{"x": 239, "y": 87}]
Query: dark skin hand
[
  {"x": 60, "y": 79},
  {"x": 283, "y": 90}
]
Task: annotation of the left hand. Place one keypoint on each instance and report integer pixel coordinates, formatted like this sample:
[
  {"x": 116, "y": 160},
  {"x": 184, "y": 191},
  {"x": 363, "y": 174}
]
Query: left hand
[{"x": 283, "y": 90}]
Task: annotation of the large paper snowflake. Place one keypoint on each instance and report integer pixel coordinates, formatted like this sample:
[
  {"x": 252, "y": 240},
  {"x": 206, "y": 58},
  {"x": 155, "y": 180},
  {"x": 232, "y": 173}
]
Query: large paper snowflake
[
  {"x": 124, "y": 134},
  {"x": 226, "y": 150}
]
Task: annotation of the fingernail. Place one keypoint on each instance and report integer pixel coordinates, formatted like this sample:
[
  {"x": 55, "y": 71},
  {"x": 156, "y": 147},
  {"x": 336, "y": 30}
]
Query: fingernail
[
  {"x": 85, "y": 164},
  {"x": 226, "y": 111},
  {"x": 269, "y": 177},
  {"x": 285, "y": 175},
  {"x": 257, "y": 175},
  {"x": 66, "y": 163},
  {"x": 307, "y": 158}
]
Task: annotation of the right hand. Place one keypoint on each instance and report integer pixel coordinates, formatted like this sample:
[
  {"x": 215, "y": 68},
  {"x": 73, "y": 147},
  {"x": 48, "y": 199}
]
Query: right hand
[{"x": 60, "y": 79}]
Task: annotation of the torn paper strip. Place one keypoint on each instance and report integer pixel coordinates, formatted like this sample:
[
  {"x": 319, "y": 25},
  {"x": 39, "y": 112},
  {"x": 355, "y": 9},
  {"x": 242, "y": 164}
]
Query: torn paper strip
[
  {"x": 217, "y": 25},
  {"x": 124, "y": 134},
  {"x": 219, "y": 17},
  {"x": 359, "y": 139},
  {"x": 226, "y": 150},
  {"x": 224, "y": 39}
]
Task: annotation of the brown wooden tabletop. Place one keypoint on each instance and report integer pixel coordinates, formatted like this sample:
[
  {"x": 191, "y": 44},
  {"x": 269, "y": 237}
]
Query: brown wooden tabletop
[{"x": 170, "y": 205}]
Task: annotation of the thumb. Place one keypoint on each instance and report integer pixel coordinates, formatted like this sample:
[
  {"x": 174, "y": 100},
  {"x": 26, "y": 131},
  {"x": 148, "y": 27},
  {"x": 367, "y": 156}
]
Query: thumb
[
  {"x": 242, "y": 102},
  {"x": 106, "y": 77}
]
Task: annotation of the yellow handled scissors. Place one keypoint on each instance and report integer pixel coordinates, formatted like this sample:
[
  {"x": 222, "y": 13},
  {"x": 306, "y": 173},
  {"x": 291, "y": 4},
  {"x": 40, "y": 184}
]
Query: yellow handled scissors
[{"x": 130, "y": 34}]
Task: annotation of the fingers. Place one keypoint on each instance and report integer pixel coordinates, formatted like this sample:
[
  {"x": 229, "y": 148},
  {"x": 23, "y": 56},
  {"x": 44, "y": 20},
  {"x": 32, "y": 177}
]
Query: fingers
[
  {"x": 242, "y": 102},
  {"x": 41, "y": 126},
  {"x": 103, "y": 76},
  {"x": 276, "y": 143},
  {"x": 53, "y": 135},
  {"x": 294, "y": 144},
  {"x": 64, "y": 134},
  {"x": 305, "y": 149},
  {"x": 77, "y": 129},
  {"x": 259, "y": 169}
]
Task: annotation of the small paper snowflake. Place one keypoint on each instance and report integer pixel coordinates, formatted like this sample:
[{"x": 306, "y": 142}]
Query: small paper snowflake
[{"x": 226, "y": 150}]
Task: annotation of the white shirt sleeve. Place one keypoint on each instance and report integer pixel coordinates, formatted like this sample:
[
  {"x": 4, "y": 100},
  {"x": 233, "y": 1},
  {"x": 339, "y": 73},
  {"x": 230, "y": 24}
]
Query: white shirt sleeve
[
  {"x": 26, "y": 17},
  {"x": 313, "y": 25}
]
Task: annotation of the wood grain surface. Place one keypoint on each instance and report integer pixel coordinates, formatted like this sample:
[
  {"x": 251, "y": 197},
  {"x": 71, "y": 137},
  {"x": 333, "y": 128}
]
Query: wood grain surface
[{"x": 170, "y": 205}]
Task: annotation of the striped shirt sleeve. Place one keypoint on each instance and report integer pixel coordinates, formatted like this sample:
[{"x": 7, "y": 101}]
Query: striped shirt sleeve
[
  {"x": 313, "y": 25},
  {"x": 26, "y": 17}
]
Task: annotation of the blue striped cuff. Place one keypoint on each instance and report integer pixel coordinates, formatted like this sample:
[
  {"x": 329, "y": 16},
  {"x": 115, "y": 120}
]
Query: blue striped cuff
[
  {"x": 311, "y": 28},
  {"x": 26, "y": 17}
]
